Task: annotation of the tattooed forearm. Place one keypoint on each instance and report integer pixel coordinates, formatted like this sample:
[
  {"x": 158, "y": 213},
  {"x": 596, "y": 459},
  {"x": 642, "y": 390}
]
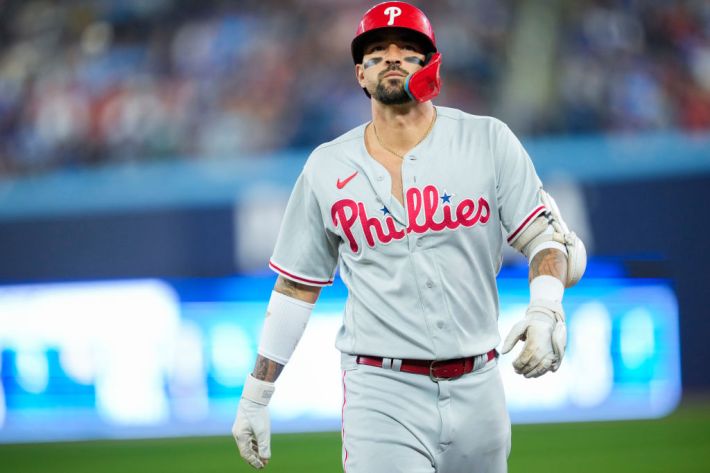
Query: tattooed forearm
[
  {"x": 266, "y": 369},
  {"x": 293, "y": 289},
  {"x": 287, "y": 287},
  {"x": 551, "y": 262}
]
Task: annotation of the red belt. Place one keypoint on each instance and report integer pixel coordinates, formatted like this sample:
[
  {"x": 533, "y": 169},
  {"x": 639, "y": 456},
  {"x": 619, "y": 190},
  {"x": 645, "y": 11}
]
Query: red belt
[{"x": 436, "y": 370}]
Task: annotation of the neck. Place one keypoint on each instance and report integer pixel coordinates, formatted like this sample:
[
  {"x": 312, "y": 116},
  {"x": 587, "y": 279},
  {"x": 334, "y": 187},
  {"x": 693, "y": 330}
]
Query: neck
[{"x": 401, "y": 127}]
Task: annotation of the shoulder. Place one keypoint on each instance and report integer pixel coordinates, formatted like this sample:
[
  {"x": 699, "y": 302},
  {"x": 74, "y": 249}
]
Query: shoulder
[
  {"x": 456, "y": 117},
  {"x": 334, "y": 152},
  {"x": 480, "y": 128}
]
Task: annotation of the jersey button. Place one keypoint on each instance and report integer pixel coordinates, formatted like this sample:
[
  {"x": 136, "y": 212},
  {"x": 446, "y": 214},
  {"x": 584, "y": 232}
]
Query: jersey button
[
  {"x": 380, "y": 178},
  {"x": 440, "y": 324},
  {"x": 419, "y": 242},
  {"x": 429, "y": 284}
]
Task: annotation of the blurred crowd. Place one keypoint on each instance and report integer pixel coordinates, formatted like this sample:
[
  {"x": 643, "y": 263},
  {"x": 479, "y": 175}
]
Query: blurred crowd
[
  {"x": 634, "y": 65},
  {"x": 86, "y": 82}
]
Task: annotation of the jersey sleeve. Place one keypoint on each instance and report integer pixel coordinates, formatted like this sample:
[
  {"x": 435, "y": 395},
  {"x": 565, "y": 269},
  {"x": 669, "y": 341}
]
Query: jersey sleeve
[
  {"x": 305, "y": 251},
  {"x": 517, "y": 184}
]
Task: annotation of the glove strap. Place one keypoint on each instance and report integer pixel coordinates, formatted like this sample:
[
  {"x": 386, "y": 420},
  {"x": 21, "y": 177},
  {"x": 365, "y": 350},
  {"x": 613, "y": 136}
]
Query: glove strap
[
  {"x": 553, "y": 309},
  {"x": 258, "y": 391}
]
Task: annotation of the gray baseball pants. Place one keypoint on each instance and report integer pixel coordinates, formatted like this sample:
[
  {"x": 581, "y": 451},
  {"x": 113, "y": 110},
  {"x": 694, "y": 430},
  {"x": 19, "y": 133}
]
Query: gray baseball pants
[{"x": 396, "y": 422}]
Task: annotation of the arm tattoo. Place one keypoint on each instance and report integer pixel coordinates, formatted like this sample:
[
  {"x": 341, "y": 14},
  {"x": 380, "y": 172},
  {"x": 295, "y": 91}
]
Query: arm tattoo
[
  {"x": 287, "y": 287},
  {"x": 551, "y": 262},
  {"x": 296, "y": 290},
  {"x": 266, "y": 369}
]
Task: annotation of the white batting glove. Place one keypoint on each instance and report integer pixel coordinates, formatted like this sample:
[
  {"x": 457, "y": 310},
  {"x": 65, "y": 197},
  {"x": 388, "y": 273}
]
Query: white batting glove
[
  {"x": 544, "y": 332},
  {"x": 252, "y": 427}
]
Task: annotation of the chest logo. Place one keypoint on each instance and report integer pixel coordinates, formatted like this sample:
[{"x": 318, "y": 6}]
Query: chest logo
[
  {"x": 422, "y": 206},
  {"x": 340, "y": 184}
]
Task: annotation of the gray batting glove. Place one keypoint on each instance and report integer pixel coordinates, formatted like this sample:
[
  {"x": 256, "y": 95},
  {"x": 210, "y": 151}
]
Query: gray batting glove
[
  {"x": 252, "y": 426},
  {"x": 544, "y": 332}
]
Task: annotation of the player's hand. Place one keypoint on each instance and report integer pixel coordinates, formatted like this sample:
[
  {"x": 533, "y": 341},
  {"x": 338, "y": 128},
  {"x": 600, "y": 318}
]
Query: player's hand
[
  {"x": 252, "y": 431},
  {"x": 545, "y": 335}
]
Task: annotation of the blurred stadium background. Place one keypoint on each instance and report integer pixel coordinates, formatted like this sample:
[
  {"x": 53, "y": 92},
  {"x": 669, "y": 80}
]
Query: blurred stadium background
[{"x": 147, "y": 150}]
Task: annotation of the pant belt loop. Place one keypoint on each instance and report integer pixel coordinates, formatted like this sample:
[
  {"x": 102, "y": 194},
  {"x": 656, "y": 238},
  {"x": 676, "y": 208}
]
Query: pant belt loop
[
  {"x": 480, "y": 361},
  {"x": 387, "y": 363},
  {"x": 396, "y": 364}
]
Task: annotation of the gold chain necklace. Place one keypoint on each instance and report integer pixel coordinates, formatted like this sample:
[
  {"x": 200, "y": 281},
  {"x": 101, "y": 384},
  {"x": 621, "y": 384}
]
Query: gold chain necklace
[{"x": 401, "y": 156}]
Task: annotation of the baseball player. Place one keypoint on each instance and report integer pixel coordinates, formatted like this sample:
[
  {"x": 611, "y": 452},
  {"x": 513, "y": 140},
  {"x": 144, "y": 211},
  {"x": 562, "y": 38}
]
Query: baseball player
[{"x": 412, "y": 204}]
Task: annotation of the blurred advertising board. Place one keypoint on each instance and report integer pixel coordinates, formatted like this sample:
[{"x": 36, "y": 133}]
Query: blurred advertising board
[{"x": 144, "y": 358}]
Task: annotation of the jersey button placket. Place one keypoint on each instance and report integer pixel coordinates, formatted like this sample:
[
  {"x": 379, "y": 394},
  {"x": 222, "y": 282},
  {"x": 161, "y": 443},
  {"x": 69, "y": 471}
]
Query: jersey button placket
[{"x": 409, "y": 179}]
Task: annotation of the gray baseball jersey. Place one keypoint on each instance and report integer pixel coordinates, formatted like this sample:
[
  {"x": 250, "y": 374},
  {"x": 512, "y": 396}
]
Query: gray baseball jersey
[{"x": 421, "y": 277}]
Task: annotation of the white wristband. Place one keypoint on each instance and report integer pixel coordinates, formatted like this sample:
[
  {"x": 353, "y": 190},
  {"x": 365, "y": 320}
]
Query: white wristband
[
  {"x": 258, "y": 391},
  {"x": 547, "y": 288},
  {"x": 286, "y": 319}
]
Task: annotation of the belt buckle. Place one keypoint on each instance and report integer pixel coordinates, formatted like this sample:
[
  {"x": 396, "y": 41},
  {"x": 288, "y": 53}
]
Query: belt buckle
[{"x": 436, "y": 379}]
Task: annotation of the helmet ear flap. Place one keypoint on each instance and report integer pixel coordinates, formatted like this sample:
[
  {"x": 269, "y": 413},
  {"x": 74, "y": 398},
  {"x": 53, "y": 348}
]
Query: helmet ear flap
[{"x": 425, "y": 84}]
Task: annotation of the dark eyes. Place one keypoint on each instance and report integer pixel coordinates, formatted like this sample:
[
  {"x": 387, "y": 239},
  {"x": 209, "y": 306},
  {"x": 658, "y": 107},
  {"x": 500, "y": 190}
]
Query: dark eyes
[{"x": 381, "y": 47}]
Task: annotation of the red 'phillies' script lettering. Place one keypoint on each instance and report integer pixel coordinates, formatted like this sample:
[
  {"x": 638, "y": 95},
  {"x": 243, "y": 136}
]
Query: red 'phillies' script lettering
[
  {"x": 374, "y": 222},
  {"x": 338, "y": 212},
  {"x": 346, "y": 213}
]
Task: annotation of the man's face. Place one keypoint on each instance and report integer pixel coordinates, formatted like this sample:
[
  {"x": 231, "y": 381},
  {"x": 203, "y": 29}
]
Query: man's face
[{"x": 387, "y": 61}]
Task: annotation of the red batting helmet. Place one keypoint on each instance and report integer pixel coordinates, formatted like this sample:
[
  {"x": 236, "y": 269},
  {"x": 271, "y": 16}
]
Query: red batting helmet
[{"x": 393, "y": 15}]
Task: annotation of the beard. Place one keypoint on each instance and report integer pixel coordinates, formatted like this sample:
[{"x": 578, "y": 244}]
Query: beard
[{"x": 391, "y": 94}]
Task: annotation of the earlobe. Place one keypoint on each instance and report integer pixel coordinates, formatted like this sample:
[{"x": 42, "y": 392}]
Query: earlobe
[{"x": 359, "y": 74}]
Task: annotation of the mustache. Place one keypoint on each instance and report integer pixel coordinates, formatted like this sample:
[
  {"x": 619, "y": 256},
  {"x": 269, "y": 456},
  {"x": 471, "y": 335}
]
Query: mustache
[{"x": 392, "y": 68}]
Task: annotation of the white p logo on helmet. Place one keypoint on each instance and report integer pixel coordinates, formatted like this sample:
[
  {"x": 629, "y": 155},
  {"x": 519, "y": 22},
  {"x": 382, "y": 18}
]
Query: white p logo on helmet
[{"x": 393, "y": 12}]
